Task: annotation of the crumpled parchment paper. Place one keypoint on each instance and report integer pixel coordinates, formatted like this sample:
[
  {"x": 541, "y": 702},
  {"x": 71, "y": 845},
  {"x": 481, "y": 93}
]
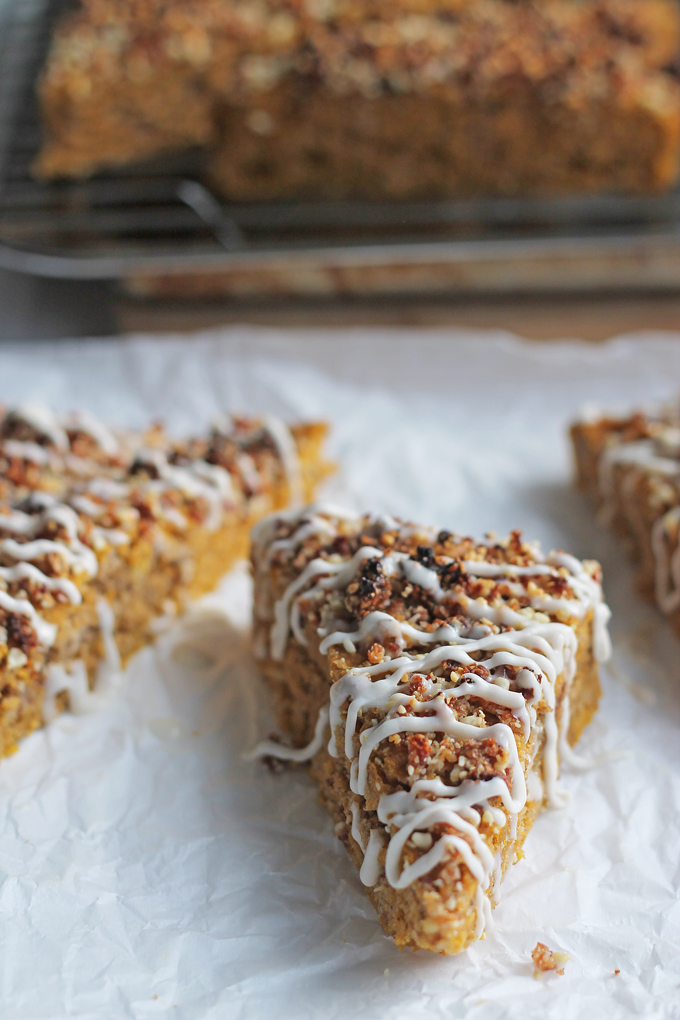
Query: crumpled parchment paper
[{"x": 147, "y": 871}]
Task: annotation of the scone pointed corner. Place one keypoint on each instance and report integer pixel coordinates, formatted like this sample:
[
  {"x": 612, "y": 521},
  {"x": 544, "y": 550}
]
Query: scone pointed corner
[{"x": 453, "y": 672}]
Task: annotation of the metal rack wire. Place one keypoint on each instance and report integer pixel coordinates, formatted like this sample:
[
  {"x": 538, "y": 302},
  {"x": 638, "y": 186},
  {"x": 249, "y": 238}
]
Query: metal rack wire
[{"x": 158, "y": 218}]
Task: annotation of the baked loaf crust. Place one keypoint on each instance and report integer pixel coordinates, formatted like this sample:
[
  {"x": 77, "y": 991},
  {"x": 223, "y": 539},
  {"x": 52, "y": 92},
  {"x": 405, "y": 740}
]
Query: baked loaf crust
[
  {"x": 630, "y": 466},
  {"x": 102, "y": 533},
  {"x": 371, "y": 98},
  {"x": 452, "y": 675}
]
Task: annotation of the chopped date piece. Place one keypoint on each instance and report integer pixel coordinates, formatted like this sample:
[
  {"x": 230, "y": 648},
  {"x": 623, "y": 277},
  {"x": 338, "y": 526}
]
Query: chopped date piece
[{"x": 370, "y": 591}]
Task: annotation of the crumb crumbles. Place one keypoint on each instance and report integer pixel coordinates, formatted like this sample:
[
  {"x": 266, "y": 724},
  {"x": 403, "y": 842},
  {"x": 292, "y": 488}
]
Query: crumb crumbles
[{"x": 545, "y": 960}]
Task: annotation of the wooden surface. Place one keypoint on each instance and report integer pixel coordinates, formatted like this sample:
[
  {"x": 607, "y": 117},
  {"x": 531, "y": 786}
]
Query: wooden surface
[
  {"x": 589, "y": 317},
  {"x": 32, "y": 308}
]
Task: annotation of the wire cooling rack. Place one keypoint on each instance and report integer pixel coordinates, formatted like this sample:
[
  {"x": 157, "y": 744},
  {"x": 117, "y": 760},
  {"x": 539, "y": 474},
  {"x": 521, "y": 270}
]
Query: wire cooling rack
[{"x": 158, "y": 228}]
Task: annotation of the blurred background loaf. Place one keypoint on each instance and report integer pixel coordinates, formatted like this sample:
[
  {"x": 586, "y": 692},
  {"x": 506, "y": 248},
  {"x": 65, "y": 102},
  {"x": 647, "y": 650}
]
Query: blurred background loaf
[{"x": 371, "y": 98}]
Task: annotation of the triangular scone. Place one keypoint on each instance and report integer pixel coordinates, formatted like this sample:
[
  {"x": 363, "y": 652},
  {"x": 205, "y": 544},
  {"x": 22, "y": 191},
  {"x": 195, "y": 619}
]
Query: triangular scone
[
  {"x": 102, "y": 532},
  {"x": 454, "y": 674}
]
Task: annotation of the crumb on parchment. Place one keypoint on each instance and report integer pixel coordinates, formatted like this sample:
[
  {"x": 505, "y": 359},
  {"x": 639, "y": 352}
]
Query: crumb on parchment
[{"x": 545, "y": 960}]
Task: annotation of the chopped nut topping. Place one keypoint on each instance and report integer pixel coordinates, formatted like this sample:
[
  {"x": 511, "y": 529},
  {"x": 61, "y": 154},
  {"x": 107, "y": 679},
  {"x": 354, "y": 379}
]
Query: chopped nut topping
[
  {"x": 376, "y": 654},
  {"x": 423, "y": 840},
  {"x": 16, "y": 658}
]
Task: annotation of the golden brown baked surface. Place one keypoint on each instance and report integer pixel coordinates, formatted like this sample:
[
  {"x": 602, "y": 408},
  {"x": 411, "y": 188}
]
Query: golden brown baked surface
[
  {"x": 369, "y": 98},
  {"x": 452, "y": 676},
  {"x": 630, "y": 467},
  {"x": 102, "y": 533}
]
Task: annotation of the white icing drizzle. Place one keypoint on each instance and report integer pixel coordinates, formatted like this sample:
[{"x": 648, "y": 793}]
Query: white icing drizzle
[
  {"x": 74, "y": 552},
  {"x": 45, "y": 632},
  {"x": 107, "y": 489},
  {"x": 335, "y": 575},
  {"x": 541, "y": 649},
  {"x": 83, "y": 421},
  {"x": 316, "y": 520},
  {"x": 249, "y": 472},
  {"x": 356, "y": 834},
  {"x": 109, "y": 536},
  {"x": 85, "y": 467},
  {"x": 107, "y": 627},
  {"x": 32, "y": 452},
  {"x": 642, "y": 454},
  {"x": 45, "y": 422},
  {"x": 485, "y": 921},
  {"x": 74, "y": 681},
  {"x": 88, "y": 507},
  {"x": 283, "y": 440},
  {"x": 535, "y": 784},
  {"x": 285, "y": 446},
  {"x": 371, "y": 869},
  {"x": 275, "y": 750},
  {"x": 265, "y": 550},
  {"x": 197, "y": 479},
  {"x": 101, "y": 537},
  {"x": 495, "y": 894},
  {"x": 59, "y": 680},
  {"x": 54, "y": 427},
  {"x": 658, "y": 454},
  {"x": 30, "y": 572},
  {"x": 667, "y": 580}
]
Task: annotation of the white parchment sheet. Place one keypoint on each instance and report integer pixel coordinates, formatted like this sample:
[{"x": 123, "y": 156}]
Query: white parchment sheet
[{"x": 147, "y": 871}]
